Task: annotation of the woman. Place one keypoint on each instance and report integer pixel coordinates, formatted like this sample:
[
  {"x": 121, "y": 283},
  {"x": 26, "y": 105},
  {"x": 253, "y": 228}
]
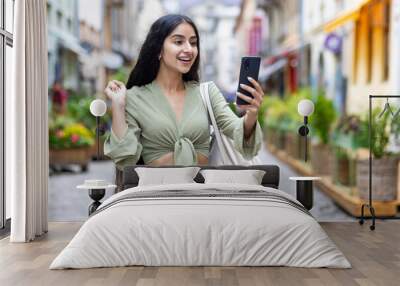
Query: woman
[{"x": 161, "y": 117}]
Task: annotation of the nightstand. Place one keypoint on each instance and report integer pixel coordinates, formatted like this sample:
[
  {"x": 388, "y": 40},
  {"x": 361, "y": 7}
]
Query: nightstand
[
  {"x": 97, "y": 190},
  {"x": 304, "y": 190}
]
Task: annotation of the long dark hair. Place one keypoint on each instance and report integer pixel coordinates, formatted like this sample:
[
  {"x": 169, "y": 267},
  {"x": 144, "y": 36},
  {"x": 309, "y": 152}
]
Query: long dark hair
[{"x": 146, "y": 68}]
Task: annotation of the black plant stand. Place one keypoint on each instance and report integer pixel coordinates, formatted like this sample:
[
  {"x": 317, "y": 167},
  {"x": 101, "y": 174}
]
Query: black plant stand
[
  {"x": 369, "y": 205},
  {"x": 304, "y": 190},
  {"x": 96, "y": 195}
]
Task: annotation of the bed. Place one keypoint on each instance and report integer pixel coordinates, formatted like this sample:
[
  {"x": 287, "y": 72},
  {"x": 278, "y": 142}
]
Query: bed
[{"x": 198, "y": 224}]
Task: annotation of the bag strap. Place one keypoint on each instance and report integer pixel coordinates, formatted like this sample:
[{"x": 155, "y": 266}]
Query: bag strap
[{"x": 207, "y": 103}]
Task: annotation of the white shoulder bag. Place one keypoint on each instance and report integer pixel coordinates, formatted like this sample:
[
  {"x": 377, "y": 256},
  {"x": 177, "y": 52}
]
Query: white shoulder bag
[{"x": 222, "y": 151}]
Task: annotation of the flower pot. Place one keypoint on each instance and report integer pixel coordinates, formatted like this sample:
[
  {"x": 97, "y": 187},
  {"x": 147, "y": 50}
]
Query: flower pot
[
  {"x": 270, "y": 134},
  {"x": 280, "y": 144},
  {"x": 321, "y": 159},
  {"x": 274, "y": 137},
  {"x": 352, "y": 172},
  {"x": 384, "y": 178},
  {"x": 292, "y": 145},
  {"x": 78, "y": 156},
  {"x": 342, "y": 171}
]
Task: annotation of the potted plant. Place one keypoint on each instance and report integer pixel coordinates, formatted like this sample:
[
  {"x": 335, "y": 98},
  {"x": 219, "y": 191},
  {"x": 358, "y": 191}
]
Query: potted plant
[
  {"x": 321, "y": 122},
  {"x": 342, "y": 172},
  {"x": 384, "y": 163},
  {"x": 70, "y": 142}
]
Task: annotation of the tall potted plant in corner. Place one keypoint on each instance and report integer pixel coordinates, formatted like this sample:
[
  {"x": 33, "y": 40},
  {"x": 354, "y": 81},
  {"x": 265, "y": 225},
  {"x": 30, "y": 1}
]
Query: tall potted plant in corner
[
  {"x": 384, "y": 163},
  {"x": 321, "y": 122}
]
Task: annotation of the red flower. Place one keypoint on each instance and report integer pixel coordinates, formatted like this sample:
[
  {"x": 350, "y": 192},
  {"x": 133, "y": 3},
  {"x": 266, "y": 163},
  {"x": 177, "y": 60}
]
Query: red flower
[{"x": 75, "y": 138}]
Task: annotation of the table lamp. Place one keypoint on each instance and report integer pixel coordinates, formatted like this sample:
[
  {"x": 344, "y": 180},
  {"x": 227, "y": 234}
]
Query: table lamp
[{"x": 305, "y": 108}]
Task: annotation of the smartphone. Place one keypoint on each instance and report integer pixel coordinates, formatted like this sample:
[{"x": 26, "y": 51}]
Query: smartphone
[{"x": 249, "y": 67}]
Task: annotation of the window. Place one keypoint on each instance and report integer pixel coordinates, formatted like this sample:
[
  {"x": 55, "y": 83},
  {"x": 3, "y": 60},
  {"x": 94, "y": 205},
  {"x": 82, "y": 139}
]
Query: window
[
  {"x": 355, "y": 49},
  {"x": 6, "y": 43},
  {"x": 362, "y": 48},
  {"x": 48, "y": 9},
  {"x": 370, "y": 35},
  {"x": 59, "y": 19},
  {"x": 379, "y": 41},
  {"x": 386, "y": 39},
  {"x": 69, "y": 23}
]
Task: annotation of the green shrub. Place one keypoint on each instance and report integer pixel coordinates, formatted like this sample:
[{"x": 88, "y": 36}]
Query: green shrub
[
  {"x": 122, "y": 74},
  {"x": 323, "y": 118},
  {"x": 281, "y": 113}
]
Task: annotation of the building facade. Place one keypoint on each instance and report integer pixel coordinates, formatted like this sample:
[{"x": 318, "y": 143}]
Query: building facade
[
  {"x": 284, "y": 47},
  {"x": 220, "y": 53},
  {"x": 370, "y": 49},
  {"x": 64, "y": 49},
  {"x": 91, "y": 39}
]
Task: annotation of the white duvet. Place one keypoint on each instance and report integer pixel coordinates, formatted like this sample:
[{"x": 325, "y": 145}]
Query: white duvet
[{"x": 183, "y": 231}]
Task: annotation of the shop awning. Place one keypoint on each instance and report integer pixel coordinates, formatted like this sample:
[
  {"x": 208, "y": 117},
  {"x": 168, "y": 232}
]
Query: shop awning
[
  {"x": 351, "y": 15},
  {"x": 284, "y": 52},
  {"x": 73, "y": 46},
  {"x": 66, "y": 41}
]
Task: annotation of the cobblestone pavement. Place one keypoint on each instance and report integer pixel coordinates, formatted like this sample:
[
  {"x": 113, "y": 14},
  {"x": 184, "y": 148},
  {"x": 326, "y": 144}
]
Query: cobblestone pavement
[
  {"x": 324, "y": 207},
  {"x": 67, "y": 203}
]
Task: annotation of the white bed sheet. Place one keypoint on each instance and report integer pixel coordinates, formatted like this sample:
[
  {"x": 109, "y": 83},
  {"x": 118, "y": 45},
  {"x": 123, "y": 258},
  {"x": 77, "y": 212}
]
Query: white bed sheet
[{"x": 200, "y": 231}]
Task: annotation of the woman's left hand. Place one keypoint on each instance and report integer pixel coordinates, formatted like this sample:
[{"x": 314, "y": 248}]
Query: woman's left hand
[{"x": 255, "y": 102}]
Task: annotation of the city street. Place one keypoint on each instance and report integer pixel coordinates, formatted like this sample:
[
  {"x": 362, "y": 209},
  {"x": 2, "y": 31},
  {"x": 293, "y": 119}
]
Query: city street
[{"x": 67, "y": 203}]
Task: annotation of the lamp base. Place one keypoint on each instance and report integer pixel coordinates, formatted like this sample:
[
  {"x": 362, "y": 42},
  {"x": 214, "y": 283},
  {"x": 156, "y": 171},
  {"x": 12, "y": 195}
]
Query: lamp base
[
  {"x": 96, "y": 195},
  {"x": 303, "y": 130}
]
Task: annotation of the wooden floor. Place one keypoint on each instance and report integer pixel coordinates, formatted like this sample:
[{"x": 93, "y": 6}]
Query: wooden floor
[{"x": 375, "y": 257}]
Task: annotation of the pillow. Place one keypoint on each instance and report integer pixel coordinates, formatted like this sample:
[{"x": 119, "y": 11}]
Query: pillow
[
  {"x": 248, "y": 177},
  {"x": 162, "y": 176}
]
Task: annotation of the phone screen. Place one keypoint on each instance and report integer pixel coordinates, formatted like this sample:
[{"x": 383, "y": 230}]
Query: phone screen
[{"x": 250, "y": 67}]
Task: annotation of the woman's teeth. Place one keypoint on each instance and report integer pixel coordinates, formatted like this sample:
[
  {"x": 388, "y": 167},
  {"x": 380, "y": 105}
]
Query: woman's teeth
[{"x": 184, "y": 60}]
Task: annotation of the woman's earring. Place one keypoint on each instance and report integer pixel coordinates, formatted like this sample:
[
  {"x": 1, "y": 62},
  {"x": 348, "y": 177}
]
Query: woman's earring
[{"x": 159, "y": 57}]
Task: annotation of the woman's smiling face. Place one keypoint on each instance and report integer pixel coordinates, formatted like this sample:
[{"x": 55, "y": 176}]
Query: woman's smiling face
[{"x": 180, "y": 50}]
